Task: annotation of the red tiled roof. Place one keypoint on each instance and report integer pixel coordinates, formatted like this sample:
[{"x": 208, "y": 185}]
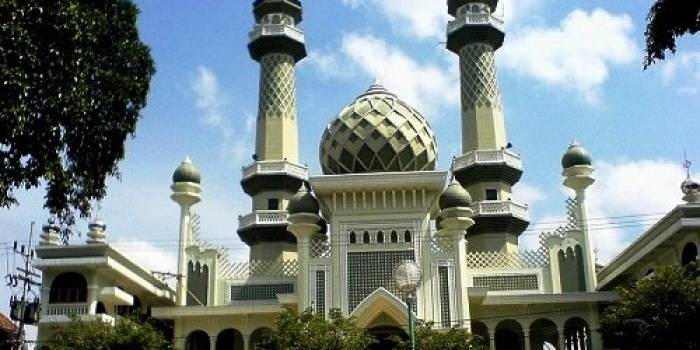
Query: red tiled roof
[{"x": 6, "y": 324}]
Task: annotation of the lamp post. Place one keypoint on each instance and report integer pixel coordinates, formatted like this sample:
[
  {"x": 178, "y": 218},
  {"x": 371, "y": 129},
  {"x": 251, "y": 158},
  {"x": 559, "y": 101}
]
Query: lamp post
[{"x": 407, "y": 276}]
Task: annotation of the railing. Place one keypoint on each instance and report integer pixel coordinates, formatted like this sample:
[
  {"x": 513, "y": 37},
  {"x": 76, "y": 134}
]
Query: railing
[
  {"x": 486, "y": 208},
  {"x": 276, "y": 167},
  {"x": 263, "y": 217},
  {"x": 488, "y": 157},
  {"x": 70, "y": 309},
  {"x": 276, "y": 29},
  {"x": 475, "y": 18}
]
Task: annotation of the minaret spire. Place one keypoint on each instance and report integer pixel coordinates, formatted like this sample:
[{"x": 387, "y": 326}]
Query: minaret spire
[{"x": 487, "y": 167}]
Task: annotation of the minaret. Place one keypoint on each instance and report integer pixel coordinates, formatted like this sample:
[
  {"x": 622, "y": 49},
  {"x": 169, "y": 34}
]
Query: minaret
[
  {"x": 578, "y": 176},
  {"x": 487, "y": 167},
  {"x": 277, "y": 43},
  {"x": 186, "y": 192}
]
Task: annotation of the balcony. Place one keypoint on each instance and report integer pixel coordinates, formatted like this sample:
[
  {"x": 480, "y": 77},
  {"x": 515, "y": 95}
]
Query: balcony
[
  {"x": 475, "y": 27},
  {"x": 475, "y": 19},
  {"x": 499, "y": 217},
  {"x": 263, "y": 218},
  {"x": 501, "y": 208},
  {"x": 276, "y": 167},
  {"x": 62, "y": 313},
  {"x": 488, "y": 165},
  {"x": 264, "y": 226},
  {"x": 264, "y": 30},
  {"x": 275, "y": 175}
]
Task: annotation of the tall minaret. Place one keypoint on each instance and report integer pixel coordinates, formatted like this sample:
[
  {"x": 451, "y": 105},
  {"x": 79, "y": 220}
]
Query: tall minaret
[
  {"x": 487, "y": 167},
  {"x": 277, "y": 43}
]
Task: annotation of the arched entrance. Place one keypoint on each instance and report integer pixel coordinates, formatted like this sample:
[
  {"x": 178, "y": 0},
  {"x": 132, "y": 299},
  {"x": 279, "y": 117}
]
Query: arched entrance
[
  {"x": 258, "y": 336},
  {"x": 480, "y": 330},
  {"x": 690, "y": 254},
  {"x": 229, "y": 339},
  {"x": 577, "y": 334},
  {"x": 197, "y": 340},
  {"x": 387, "y": 337},
  {"x": 543, "y": 331},
  {"x": 509, "y": 335}
]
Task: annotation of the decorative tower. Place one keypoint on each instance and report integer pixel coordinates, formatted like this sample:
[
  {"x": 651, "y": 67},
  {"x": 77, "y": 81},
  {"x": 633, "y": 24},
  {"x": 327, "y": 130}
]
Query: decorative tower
[
  {"x": 277, "y": 43},
  {"x": 487, "y": 167},
  {"x": 98, "y": 232},
  {"x": 50, "y": 233},
  {"x": 578, "y": 176},
  {"x": 186, "y": 192}
]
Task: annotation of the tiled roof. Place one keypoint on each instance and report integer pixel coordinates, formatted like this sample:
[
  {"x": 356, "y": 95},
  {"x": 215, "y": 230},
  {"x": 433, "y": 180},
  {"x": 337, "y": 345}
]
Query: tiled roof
[{"x": 6, "y": 324}]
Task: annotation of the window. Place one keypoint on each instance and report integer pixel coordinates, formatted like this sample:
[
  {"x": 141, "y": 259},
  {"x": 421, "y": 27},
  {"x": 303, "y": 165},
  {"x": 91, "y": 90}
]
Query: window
[
  {"x": 365, "y": 237},
  {"x": 407, "y": 236},
  {"x": 394, "y": 237},
  {"x": 690, "y": 254},
  {"x": 353, "y": 238},
  {"x": 273, "y": 204},
  {"x": 380, "y": 237},
  {"x": 491, "y": 194}
]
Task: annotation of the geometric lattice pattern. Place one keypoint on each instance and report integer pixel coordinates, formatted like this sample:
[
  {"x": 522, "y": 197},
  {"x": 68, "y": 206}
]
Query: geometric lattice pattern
[
  {"x": 442, "y": 245},
  {"x": 260, "y": 291},
  {"x": 479, "y": 80},
  {"x": 277, "y": 89},
  {"x": 320, "y": 248},
  {"x": 506, "y": 260},
  {"x": 368, "y": 271},
  {"x": 320, "y": 292},
  {"x": 378, "y": 133},
  {"x": 261, "y": 268},
  {"x": 507, "y": 283},
  {"x": 443, "y": 279}
]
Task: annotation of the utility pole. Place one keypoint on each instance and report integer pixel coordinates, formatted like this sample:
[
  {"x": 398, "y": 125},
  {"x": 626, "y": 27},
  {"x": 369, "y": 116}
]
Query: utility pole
[{"x": 22, "y": 310}]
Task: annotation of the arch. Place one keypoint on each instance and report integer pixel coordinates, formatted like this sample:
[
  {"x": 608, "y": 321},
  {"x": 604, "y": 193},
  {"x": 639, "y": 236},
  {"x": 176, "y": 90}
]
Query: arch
[
  {"x": 481, "y": 330},
  {"x": 365, "y": 237},
  {"x": 68, "y": 287},
  {"x": 229, "y": 339},
  {"x": 384, "y": 336},
  {"x": 407, "y": 236},
  {"x": 577, "y": 334},
  {"x": 394, "y": 237},
  {"x": 258, "y": 336},
  {"x": 509, "y": 335},
  {"x": 380, "y": 237},
  {"x": 197, "y": 340},
  {"x": 543, "y": 331},
  {"x": 690, "y": 253},
  {"x": 353, "y": 237},
  {"x": 380, "y": 308},
  {"x": 580, "y": 269}
]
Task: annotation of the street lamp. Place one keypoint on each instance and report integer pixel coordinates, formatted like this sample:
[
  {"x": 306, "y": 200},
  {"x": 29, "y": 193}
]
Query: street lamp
[{"x": 407, "y": 276}]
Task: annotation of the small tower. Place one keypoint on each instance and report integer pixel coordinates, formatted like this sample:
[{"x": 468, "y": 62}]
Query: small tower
[
  {"x": 98, "y": 232},
  {"x": 689, "y": 187},
  {"x": 487, "y": 168},
  {"x": 578, "y": 176},
  {"x": 186, "y": 193},
  {"x": 277, "y": 43},
  {"x": 50, "y": 233}
]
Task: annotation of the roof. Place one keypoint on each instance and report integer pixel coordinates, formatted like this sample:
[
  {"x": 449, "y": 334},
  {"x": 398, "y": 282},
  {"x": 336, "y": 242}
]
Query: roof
[{"x": 6, "y": 324}]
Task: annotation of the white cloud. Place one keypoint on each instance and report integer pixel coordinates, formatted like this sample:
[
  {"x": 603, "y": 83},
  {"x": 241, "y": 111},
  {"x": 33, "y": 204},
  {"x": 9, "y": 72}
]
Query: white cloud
[
  {"x": 424, "y": 19},
  {"x": 577, "y": 55},
  {"x": 527, "y": 194},
  {"x": 683, "y": 71},
  {"x": 148, "y": 255}
]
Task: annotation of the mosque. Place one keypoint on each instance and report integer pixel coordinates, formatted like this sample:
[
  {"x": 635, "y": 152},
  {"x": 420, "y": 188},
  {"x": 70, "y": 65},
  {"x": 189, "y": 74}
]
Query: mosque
[{"x": 333, "y": 240}]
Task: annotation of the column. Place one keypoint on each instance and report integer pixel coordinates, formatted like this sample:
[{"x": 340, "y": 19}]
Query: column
[
  {"x": 492, "y": 337},
  {"x": 526, "y": 336},
  {"x": 561, "y": 339}
]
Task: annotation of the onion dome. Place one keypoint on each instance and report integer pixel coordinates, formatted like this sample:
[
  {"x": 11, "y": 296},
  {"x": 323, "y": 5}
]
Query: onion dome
[
  {"x": 187, "y": 172},
  {"x": 378, "y": 132},
  {"x": 454, "y": 196},
  {"x": 303, "y": 202},
  {"x": 575, "y": 155}
]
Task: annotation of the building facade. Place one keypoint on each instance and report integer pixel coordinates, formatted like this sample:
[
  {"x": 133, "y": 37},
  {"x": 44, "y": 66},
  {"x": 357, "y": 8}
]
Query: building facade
[{"x": 332, "y": 240}]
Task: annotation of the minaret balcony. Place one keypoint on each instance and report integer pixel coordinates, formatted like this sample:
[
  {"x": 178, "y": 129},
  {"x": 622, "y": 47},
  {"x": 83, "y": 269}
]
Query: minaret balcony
[
  {"x": 264, "y": 226},
  {"x": 273, "y": 175},
  {"x": 475, "y": 27},
  {"x": 499, "y": 217},
  {"x": 276, "y": 38},
  {"x": 488, "y": 166},
  {"x": 501, "y": 208}
]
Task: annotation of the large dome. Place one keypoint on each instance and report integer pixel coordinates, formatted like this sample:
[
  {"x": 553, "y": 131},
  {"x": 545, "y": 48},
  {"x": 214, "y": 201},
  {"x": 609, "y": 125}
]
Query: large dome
[{"x": 378, "y": 133}]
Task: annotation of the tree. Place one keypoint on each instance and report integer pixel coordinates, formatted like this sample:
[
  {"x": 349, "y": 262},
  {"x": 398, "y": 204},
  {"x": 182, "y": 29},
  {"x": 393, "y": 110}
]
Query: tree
[
  {"x": 74, "y": 76},
  {"x": 428, "y": 338},
  {"x": 126, "y": 334},
  {"x": 661, "y": 311},
  {"x": 668, "y": 20},
  {"x": 308, "y": 331}
]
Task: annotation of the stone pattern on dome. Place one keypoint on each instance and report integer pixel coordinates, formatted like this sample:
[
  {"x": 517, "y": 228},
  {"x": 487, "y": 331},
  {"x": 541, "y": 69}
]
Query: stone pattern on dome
[
  {"x": 378, "y": 133},
  {"x": 479, "y": 79},
  {"x": 277, "y": 98}
]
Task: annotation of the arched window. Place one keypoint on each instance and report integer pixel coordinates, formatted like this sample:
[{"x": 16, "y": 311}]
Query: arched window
[
  {"x": 509, "y": 335},
  {"x": 407, "y": 236},
  {"x": 690, "y": 254},
  {"x": 380, "y": 237},
  {"x": 229, "y": 339},
  {"x": 100, "y": 308},
  {"x": 394, "y": 237},
  {"x": 577, "y": 333},
  {"x": 353, "y": 238},
  {"x": 69, "y": 287},
  {"x": 197, "y": 340},
  {"x": 365, "y": 237},
  {"x": 257, "y": 337}
]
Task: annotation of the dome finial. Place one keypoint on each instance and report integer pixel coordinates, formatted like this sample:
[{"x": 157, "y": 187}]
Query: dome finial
[
  {"x": 689, "y": 187},
  {"x": 187, "y": 172}
]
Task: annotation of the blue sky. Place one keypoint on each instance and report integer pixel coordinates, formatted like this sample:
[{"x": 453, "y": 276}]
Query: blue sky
[{"x": 568, "y": 69}]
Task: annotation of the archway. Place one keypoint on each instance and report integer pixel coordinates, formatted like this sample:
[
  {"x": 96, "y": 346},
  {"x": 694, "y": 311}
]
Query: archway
[
  {"x": 387, "y": 337},
  {"x": 197, "y": 340},
  {"x": 690, "y": 253},
  {"x": 258, "y": 336},
  {"x": 543, "y": 331},
  {"x": 577, "y": 334},
  {"x": 68, "y": 287},
  {"x": 509, "y": 335},
  {"x": 229, "y": 339},
  {"x": 480, "y": 330}
]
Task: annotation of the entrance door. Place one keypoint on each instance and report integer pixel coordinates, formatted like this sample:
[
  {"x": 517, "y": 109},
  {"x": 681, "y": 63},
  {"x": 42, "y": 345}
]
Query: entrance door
[{"x": 387, "y": 337}]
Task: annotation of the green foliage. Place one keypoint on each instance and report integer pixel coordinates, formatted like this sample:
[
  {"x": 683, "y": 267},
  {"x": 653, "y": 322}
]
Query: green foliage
[
  {"x": 428, "y": 338},
  {"x": 668, "y": 20},
  {"x": 658, "y": 312},
  {"x": 308, "y": 331},
  {"x": 126, "y": 334},
  {"x": 74, "y": 76}
]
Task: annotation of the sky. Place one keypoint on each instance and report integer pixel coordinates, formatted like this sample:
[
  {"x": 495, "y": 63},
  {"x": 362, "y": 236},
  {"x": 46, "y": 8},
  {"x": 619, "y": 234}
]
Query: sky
[{"x": 568, "y": 70}]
